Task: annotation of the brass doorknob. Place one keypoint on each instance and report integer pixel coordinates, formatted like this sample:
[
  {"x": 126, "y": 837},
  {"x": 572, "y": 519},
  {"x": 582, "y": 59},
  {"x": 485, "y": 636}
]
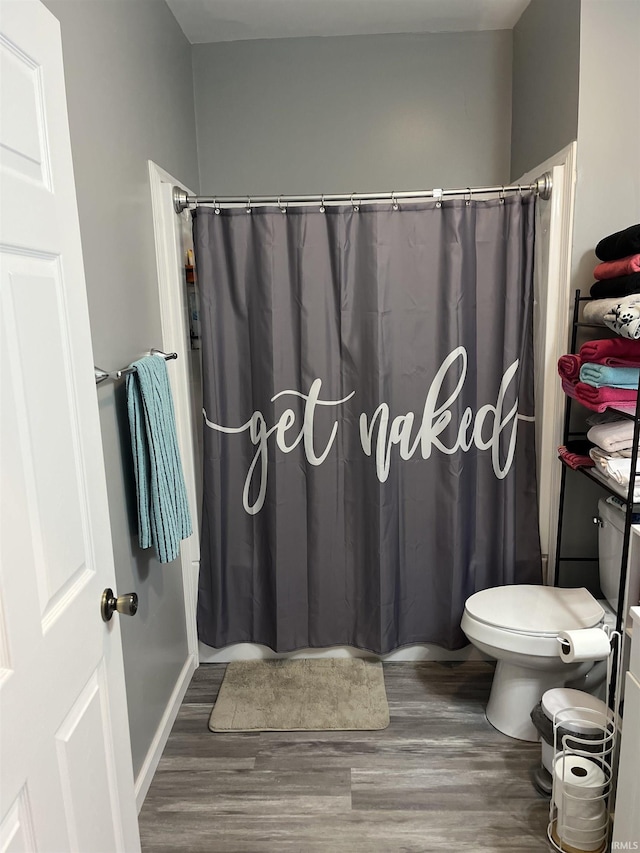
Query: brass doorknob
[{"x": 125, "y": 604}]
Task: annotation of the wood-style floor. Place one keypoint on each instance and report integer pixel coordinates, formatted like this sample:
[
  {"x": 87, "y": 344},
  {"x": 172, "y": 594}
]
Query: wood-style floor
[{"x": 439, "y": 778}]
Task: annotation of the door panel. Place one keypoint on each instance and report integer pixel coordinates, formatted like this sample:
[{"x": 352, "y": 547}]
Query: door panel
[{"x": 66, "y": 779}]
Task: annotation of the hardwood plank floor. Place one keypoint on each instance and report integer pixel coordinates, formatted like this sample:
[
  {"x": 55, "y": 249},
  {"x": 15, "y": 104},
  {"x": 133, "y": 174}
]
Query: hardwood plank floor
[{"x": 439, "y": 778}]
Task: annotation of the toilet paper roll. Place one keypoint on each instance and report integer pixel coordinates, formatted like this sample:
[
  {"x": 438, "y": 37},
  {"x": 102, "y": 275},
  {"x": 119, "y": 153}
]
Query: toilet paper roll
[
  {"x": 578, "y": 777},
  {"x": 584, "y": 644},
  {"x": 579, "y": 787}
]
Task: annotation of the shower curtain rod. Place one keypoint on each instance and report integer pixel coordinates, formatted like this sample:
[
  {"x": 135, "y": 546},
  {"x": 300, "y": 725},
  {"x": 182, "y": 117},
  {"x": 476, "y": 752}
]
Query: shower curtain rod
[{"x": 181, "y": 200}]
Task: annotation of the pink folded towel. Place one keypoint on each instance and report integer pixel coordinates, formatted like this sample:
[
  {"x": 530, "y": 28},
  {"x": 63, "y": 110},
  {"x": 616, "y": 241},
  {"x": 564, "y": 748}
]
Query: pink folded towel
[
  {"x": 569, "y": 388},
  {"x": 613, "y": 269},
  {"x": 600, "y": 399},
  {"x": 569, "y": 366},
  {"x": 615, "y": 352}
]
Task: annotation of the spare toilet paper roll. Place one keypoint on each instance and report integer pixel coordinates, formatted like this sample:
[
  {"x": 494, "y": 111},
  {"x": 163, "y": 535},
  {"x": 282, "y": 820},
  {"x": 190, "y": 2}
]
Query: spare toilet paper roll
[
  {"x": 584, "y": 644},
  {"x": 579, "y": 780},
  {"x": 579, "y": 786}
]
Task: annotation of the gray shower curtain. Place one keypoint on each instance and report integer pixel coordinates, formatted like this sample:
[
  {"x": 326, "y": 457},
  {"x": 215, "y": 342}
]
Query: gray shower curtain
[{"x": 369, "y": 455}]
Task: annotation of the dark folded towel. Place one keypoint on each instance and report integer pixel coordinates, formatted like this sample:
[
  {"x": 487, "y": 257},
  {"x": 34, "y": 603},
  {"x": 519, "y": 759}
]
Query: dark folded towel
[
  {"x": 579, "y": 446},
  {"x": 623, "y": 285},
  {"x": 620, "y": 244}
]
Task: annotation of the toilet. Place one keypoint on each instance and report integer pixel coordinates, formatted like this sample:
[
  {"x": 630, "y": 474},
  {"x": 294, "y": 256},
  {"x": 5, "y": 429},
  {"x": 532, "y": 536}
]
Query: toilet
[{"x": 518, "y": 625}]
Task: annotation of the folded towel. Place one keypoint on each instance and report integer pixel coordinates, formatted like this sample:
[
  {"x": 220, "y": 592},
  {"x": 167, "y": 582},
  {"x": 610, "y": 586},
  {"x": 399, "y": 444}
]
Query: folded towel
[
  {"x": 613, "y": 269},
  {"x": 624, "y": 318},
  {"x": 579, "y": 446},
  {"x": 613, "y": 436},
  {"x": 619, "y": 245},
  {"x": 600, "y": 399},
  {"x": 620, "y": 470},
  {"x": 569, "y": 387},
  {"x": 569, "y": 366},
  {"x": 594, "y": 312},
  {"x": 600, "y": 375},
  {"x": 610, "y": 288},
  {"x": 575, "y": 460},
  {"x": 606, "y": 417},
  {"x": 601, "y": 457},
  {"x": 163, "y": 511},
  {"x": 616, "y": 352}
]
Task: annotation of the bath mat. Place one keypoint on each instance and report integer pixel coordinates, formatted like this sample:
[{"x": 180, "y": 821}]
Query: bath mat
[{"x": 301, "y": 695}]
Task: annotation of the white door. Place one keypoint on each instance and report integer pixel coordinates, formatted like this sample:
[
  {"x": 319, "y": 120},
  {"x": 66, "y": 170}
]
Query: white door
[{"x": 66, "y": 780}]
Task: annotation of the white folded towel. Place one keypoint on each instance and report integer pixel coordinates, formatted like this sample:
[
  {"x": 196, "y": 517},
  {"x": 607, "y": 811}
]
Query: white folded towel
[
  {"x": 601, "y": 457},
  {"x": 607, "y": 466},
  {"x": 615, "y": 435},
  {"x": 620, "y": 470}
]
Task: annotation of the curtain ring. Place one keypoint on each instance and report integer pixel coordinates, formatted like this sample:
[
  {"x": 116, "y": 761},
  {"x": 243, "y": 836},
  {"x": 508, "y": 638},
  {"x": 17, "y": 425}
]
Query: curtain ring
[
  {"x": 322, "y": 203},
  {"x": 248, "y": 204},
  {"x": 283, "y": 208},
  {"x": 355, "y": 206},
  {"x": 394, "y": 201},
  {"x": 216, "y": 207},
  {"x": 468, "y": 197},
  {"x": 502, "y": 195}
]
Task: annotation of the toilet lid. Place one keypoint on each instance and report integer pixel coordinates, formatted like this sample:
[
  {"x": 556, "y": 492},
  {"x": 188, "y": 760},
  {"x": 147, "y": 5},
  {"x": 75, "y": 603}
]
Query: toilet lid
[{"x": 539, "y": 610}]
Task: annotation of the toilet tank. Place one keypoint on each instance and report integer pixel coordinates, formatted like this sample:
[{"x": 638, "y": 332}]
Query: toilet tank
[{"x": 610, "y": 536}]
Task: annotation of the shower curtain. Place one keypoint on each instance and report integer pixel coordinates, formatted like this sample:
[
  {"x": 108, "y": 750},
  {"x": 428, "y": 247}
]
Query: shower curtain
[{"x": 369, "y": 456}]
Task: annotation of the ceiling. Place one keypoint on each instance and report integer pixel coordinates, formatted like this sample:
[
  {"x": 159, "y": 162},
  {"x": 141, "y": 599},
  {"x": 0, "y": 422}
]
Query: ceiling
[{"x": 205, "y": 21}]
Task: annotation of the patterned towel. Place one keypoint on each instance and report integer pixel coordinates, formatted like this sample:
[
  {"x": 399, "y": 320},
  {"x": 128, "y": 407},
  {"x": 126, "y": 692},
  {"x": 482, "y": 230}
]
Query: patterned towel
[
  {"x": 624, "y": 318},
  {"x": 163, "y": 511},
  {"x": 594, "y": 311}
]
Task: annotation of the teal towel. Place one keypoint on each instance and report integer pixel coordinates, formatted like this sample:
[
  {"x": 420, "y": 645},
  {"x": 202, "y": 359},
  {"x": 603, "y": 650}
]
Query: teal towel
[
  {"x": 163, "y": 511},
  {"x": 601, "y": 375}
]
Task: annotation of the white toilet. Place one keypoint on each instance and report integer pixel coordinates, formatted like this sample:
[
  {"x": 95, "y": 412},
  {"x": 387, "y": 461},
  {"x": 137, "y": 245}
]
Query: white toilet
[{"x": 518, "y": 625}]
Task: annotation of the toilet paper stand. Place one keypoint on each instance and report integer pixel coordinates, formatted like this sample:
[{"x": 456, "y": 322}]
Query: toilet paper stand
[{"x": 584, "y": 742}]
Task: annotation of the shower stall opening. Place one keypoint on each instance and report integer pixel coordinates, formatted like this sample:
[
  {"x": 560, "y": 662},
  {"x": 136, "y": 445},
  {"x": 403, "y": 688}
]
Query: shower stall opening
[{"x": 373, "y": 450}]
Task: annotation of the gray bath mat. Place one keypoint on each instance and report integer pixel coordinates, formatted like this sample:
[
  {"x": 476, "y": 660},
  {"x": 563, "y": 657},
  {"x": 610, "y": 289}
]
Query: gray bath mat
[{"x": 345, "y": 694}]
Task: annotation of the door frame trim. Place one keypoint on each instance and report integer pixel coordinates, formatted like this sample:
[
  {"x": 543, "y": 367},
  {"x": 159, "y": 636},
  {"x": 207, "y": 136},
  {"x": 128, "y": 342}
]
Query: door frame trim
[
  {"x": 174, "y": 339},
  {"x": 558, "y": 330},
  {"x": 170, "y": 271}
]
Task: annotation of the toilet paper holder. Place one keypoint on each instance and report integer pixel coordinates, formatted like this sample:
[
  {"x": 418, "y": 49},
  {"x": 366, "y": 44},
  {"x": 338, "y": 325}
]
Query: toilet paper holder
[
  {"x": 584, "y": 742},
  {"x": 593, "y": 649}
]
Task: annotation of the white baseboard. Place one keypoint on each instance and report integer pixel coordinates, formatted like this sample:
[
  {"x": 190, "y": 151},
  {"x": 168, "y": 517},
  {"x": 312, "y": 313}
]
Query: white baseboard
[
  {"x": 145, "y": 776},
  {"x": 252, "y": 651}
]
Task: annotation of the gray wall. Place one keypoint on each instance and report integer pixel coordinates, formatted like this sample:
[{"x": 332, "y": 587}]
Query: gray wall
[
  {"x": 130, "y": 97},
  {"x": 608, "y": 188},
  {"x": 392, "y": 112},
  {"x": 546, "y": 57}
]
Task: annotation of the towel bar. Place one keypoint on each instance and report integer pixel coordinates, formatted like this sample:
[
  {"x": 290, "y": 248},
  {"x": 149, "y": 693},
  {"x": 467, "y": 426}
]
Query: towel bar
[{"x": 101, "y": 374}]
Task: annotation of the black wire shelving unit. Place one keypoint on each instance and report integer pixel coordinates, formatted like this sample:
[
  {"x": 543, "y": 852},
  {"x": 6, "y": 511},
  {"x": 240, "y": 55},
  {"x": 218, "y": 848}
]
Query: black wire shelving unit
[{"x": 621, "y": 493}]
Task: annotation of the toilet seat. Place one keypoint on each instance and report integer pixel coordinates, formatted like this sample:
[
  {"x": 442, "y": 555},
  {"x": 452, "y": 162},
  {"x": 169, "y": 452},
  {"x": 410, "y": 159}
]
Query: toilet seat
[{"x": 527, "y": 619}]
